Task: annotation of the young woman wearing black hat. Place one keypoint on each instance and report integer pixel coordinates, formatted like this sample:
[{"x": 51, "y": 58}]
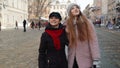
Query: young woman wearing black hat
[{"x": 52, "y": 45}]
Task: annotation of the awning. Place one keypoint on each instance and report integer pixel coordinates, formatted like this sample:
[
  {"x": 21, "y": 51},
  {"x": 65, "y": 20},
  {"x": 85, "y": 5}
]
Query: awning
[{"x": 43, "y": 18}]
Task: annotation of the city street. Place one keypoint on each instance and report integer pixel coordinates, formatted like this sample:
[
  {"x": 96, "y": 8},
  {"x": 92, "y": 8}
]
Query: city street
[
  {"x": 109, "y": 41},
  {"x": 19, "y": 49}
]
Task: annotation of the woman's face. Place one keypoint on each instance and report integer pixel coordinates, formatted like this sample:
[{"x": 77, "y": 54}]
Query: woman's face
[
  {"x": 75, "y": 11},
  {"x": 54, "y": 21}
]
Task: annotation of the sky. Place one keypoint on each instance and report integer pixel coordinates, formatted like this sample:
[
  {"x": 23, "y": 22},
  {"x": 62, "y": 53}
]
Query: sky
[{"x": 82, "y": 3}]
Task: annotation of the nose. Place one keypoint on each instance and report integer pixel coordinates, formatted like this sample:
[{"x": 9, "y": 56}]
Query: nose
[
  {"x": 54, "y": 19},
  {"x": 76, "y": 9}
]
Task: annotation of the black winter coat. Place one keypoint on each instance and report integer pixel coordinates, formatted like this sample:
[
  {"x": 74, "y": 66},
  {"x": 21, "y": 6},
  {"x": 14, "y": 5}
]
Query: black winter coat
[{"x": 49, "y": 57}]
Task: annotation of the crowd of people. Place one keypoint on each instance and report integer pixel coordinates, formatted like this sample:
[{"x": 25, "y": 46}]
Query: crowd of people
[
  {"x": 35, "y": 25},
  {"x": 110, "y": 24},
  {"x": 26, "y": 24}
]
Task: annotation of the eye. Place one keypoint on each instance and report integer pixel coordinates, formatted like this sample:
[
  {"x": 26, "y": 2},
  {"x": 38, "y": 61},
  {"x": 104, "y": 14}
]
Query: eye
[{"x": 51, "y": 18}]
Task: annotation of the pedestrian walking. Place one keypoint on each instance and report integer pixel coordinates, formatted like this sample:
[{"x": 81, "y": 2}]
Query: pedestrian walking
[
  {"x": 0, "y": 25},
  {"x": 83, "y": 50},
  {"x": 99, "y": 22},
  {"x": 32, "y": 25},
  {"x": 39, "y": 25},
  {"x": 109, "y": 25},
  {"x": 52, "y": 45},
  {"x": 24, "y": 25},
  {"x": 16, "y": 25}
]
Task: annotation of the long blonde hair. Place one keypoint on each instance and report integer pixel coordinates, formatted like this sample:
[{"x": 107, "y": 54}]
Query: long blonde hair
[{"x": 83, "y": 27}]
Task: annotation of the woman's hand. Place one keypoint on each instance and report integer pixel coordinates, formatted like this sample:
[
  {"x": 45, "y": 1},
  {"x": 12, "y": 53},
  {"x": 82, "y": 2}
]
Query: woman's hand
[{"x": 96, "y": 63}]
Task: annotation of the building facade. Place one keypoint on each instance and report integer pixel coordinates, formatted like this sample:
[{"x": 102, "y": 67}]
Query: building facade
[
  {"x": 93, "y": 11},
  {"x": 97, "y": 8},
  {"x": 109, "y": 10},
  {"x": 60, "y": 7},
  {"x": 38, "y": 9},
  {"x": 104, "y": 14},
  {"x": 12, "y": 11}
]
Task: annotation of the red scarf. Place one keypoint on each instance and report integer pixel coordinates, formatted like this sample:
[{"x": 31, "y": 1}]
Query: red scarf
[{"x": 55, "y": 34}]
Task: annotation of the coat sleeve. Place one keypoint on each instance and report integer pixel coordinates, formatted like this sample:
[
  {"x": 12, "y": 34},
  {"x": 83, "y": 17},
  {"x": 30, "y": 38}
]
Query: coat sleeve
[
  {"x": 66, "y": 34},
  {"x": 42, "y": 52},
  {"x": 94, "y": 46},
  {"x": 66, "y": 38}
]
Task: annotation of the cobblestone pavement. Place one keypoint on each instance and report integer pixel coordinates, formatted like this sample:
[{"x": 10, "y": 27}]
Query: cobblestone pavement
[
  {"x": 109, "y": 47},
  {"x": 19, "y": 49}
]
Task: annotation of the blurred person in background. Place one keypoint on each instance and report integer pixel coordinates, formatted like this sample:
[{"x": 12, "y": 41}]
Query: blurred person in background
[
  {"x": 0, "y": 25},
  {"x": 16, "y": 25},
  {"x": 24, "y": 25}
]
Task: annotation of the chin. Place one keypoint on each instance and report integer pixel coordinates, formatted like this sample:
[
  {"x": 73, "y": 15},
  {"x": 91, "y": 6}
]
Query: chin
[{"x": 53, "y": 24}]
